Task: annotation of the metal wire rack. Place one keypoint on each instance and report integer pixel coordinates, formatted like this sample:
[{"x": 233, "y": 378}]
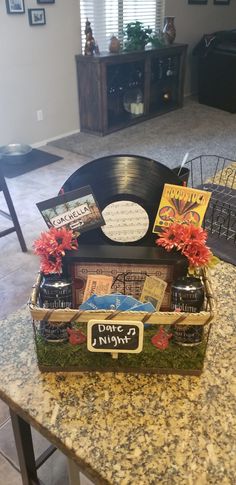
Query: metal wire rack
[{"x": 217, "y": 175}]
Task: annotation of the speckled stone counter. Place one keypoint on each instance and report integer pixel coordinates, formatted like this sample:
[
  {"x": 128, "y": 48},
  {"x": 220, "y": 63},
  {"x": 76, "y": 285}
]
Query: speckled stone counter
[{"x": 134, "y": 429}]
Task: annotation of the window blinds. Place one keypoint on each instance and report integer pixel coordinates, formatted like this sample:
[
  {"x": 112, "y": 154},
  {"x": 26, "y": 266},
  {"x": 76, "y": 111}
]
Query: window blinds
[{"x": 109, "y": 17}]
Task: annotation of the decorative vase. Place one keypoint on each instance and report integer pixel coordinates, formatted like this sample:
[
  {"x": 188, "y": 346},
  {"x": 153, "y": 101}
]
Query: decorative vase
[
  {"x": 114, "y": 45},
  {"x": 169, "y": 30}
]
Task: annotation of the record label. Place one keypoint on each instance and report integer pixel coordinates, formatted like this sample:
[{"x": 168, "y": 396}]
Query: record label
[{"x": 125, "y": 221}]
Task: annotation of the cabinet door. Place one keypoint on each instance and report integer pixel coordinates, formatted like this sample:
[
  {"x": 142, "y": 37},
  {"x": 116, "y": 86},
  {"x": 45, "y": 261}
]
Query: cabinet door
[
  {"x": 125, "y": 92},
  {"x": 164, "y": 83},
  {"x": 90, "y": 104}
]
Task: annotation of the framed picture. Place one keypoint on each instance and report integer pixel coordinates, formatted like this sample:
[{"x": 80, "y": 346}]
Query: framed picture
[
  {"x": 37, "y": 16},
  {"x": 197, "y": 2},
  {"x": 15, "y": 6},
  {"x": 45, "y": 1},
  {"x": 221, "y": 2},
  {"x": 129, "y": 269}
]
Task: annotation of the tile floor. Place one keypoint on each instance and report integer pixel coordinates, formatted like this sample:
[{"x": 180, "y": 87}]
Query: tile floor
[{"x": 17, "y": 275}]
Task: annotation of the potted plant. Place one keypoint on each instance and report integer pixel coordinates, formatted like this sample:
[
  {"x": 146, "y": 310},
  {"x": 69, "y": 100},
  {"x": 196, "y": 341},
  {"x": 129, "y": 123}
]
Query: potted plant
[
  {"x": 136, "y": 36},
  {"x": 157, "y": 40}
]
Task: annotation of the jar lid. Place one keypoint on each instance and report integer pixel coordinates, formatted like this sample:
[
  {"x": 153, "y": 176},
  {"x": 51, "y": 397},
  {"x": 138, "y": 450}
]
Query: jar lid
[
  {"x": 53, "y": 281},
  {"x": 188, "y": 283}
]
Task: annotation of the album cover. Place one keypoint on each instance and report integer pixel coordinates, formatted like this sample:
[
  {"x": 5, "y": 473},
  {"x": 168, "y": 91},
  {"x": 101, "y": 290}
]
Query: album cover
[
  {"x": 181, "y": 204},
  {"x": 77, "y": 210}
]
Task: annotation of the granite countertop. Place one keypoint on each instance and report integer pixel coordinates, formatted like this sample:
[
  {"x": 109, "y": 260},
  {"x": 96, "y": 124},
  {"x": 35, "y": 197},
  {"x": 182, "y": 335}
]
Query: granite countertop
[{"x": 134, "y": 429}]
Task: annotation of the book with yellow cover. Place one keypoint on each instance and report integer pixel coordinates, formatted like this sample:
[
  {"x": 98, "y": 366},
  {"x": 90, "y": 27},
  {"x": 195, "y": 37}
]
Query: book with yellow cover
[{"x": 181, "y": 204}]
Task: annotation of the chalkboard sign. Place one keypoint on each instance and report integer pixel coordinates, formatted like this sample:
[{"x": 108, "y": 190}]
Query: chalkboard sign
[{"x": 115, "y": 337}]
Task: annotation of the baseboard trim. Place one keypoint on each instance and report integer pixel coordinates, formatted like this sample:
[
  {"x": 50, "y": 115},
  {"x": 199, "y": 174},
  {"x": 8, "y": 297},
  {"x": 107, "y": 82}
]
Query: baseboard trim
[
  {"x": 74, "y": 132},
  {"x": 54, "y": 138}
]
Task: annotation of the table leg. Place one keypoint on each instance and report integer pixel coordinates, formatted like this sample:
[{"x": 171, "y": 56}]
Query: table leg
[
  {"x": 25, "y": 451},
  {"x": 73, "y": 471}
]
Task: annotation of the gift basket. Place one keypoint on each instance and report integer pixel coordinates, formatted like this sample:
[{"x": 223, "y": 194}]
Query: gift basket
[{"x": 107, "y": 302}]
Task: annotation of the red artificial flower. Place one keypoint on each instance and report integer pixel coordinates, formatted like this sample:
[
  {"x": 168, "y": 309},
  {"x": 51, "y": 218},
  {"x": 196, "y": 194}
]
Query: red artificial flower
[
  {"x": 171, "y": 237},
  {"x": 62, "y": 239},
  {"x": 55, "y": 240},
  {"x": 42, "y": 246},
  {"x": 193, "y": 233},
  {"x": 51, "y": 264},
  {"x": 197, "y": 253},
  {"x": 188, "y": 239},
  {"x": 51, "y": 247}
]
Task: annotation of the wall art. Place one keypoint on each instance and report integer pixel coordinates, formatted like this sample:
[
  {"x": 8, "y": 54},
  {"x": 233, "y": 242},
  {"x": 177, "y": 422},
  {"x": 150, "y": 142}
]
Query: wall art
[
  {"x": 15, "y": 6},
  {"x": 45, "y": 1},
  {"x": 197, "y": 2},
  {"x": 37, "y": 16},
  {"x": 221, "y": 2}
]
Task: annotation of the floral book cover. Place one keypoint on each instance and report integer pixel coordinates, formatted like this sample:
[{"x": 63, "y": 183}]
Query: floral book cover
[{"x": 181, "y": 204}]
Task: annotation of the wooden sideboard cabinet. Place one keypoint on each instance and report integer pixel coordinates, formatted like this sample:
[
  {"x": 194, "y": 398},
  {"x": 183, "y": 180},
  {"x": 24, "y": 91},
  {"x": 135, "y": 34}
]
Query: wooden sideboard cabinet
[{"x": 119, "y": 90}]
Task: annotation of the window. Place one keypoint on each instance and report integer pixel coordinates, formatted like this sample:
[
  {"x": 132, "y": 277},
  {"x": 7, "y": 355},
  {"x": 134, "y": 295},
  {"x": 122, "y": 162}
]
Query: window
[{"x": 109, "y": 17}]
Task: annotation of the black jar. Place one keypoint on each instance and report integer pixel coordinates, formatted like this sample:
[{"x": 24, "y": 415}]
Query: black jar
[
  {"x": 54, "y": 332},
  {"x": 55, "y": 292},
  {"x": 187, "y": 295}
]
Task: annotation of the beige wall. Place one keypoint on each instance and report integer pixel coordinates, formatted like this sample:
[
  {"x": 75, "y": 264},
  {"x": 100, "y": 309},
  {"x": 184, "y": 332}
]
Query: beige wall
[
  {"x": 192, "y": 21},
  {"x": 37, "y": 71},
  {"x": 37, "y": 66}
]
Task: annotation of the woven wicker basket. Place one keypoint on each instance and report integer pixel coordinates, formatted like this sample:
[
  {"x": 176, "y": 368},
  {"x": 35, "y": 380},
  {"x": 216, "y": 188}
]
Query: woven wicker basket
[
  {"x": 159, "y": 318},
  {"x": 65, "y": 357}
]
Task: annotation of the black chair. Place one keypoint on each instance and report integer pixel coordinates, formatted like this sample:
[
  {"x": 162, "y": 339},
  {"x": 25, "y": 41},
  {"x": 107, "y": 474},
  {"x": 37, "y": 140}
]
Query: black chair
[{"x": 12, "y": 216}]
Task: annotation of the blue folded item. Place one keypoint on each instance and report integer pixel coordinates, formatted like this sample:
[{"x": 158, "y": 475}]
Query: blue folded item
[
  {"x": 116, "y": 301},
  {"x": 128, "y": 303},
  {"x": 143, "y": 307},
  {"x": 103, "y": 302},
  {"x": 109, "y": 302},
  {"x": 89, "y": 304}
]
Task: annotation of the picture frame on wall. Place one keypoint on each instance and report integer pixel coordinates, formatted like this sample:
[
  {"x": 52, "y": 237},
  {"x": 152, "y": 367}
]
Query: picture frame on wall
[
  {"x": 197, "y": 2},
  {"x": 36, "y": 16},
  {"x": 15, "y": 6},
  {"x": 45, "y": 1},
  {"x": 221, "y": 2}
]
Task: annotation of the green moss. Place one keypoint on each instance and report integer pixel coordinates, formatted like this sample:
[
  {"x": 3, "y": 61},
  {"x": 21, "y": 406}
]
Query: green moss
[{"x": 66, "y": 356}]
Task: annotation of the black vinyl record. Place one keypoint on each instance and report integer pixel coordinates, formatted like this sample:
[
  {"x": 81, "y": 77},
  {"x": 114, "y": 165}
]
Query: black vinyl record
[{"x": 123, "y": 177}]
